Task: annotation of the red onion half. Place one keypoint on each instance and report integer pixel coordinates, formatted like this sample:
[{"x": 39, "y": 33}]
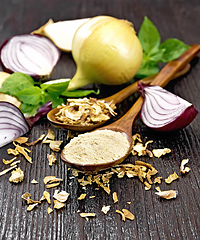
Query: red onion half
[
  {"x": 31, "y": 54},
  {"x": 163, "y": 110},
  {"x": 12, "y": 123}
]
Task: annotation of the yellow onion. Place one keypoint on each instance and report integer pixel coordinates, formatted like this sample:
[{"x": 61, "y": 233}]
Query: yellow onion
[{"x": 106, "y": 50}]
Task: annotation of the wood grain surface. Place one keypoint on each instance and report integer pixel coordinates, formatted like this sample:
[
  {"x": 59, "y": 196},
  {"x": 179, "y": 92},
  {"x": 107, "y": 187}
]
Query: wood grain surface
[{"x": 155, "y": 218}]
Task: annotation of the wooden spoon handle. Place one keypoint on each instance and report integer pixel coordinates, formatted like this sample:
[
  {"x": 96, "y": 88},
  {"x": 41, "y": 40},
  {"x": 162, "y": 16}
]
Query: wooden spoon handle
[
  {"x": 165, "y": 75},
  {"x": 128, "y": 91}
]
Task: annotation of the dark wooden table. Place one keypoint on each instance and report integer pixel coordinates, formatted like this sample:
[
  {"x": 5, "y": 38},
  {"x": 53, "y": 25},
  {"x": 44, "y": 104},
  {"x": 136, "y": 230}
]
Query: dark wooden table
[{"x": 155, "y": 218}]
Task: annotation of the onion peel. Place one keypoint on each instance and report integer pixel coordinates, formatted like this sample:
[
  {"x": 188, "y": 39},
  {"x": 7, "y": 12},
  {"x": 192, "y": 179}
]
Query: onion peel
[{"x": 61, "y": 33}]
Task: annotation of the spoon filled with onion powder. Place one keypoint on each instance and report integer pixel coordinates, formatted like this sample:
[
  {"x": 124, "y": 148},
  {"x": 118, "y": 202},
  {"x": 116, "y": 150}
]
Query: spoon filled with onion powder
[{"x": 111, "y": 144}]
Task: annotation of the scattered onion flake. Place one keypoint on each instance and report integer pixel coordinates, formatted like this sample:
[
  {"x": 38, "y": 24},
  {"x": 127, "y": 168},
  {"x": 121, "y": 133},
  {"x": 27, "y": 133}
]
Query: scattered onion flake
[
  {"x": 126, "y": 214},
  {"x": 61, "y": 196},
  {"x": 26, "y": 197},
  {"x": 51, "y": 185},
  {"x": 82, "y": 196},
  {"x": 6, "y": 162},
  {"x": 86, "y": 215},
  {"x": 34, "y": 181},
  {"x": 49, "y": 137},
  {"x": 147, "y": 186},
  {"x": 55, "y": 145},
  {"x": 52, "y": 158},
  {"x": 58, "y": 204},
  {"x": 31, "y": 201},
  {"x": 171, "y": 178},
  {"x": 141, "y": 150},
  {"x": 160, "y": 152},
  {"x": 30, "y": 54},
  {"x": 17, "y": 175},
  {"x": 36, "y": 141},
  {"x": 92, "y": 197},
  {"x": 150, "y": 173},
  {"x": 19, "y": 149},
  {"x": 51, "y": 179},
  {"x": 115, "y": 198},
  {"x": 184, "y": 169},
  {"x": 21, "y": 140},
  {"x": 12, "y": 123},
  {"x": 105, "y": 209},
  {"x": 31, "y": 206},
  {"x": 12, "y": 151},
  {"x": 49, "y": 210},
  {"x": 163, "y": 110},
  {"x": 122, "y": 214},
  {"x": 15, "y": 163},
  {"x": 138, "y": 148},
  {"x": 46, "y": 196},
  {"x": 7, "y": 170},
  {"x": 157, "y": 180},
  {"x": 167, "y": 194}
]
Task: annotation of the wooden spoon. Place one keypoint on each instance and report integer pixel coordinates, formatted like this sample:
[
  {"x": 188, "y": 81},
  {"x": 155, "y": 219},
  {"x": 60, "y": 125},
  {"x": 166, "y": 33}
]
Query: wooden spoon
[
  {"x": 125, "y": 123},
  {"x": 116, "y": 99}
]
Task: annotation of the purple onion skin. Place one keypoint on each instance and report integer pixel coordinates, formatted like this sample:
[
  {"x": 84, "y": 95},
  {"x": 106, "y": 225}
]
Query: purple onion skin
[
  {"x": 141, "y": 87},
  {"x": 36, "y": 77},
  {"x": 181, "y": 122},
  {"x": 41, "y": 112}
]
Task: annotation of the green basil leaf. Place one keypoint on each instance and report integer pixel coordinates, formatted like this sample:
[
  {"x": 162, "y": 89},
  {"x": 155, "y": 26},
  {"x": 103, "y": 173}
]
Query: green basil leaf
[
  {"x": 16, "y": 82},
  {"x": 157, "y": 55},
  {"x": 54, "y": 98},
  {"x": 57, "y": 86},
  {"x": 29, "y": 110},
  {"x": 148, "y": 68},
  {"x": 31, "y": 95},
  {"x": 173, "y": 48},
  {"x": 148, "y": 36},
  {"x": 79, "y": 93}
]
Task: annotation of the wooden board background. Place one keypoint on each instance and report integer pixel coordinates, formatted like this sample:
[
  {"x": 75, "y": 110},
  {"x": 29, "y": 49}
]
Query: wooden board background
[{"x": 155, "y": 218}]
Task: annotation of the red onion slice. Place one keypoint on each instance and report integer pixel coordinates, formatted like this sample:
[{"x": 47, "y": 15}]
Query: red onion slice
[
  {"x": 163, "y": 110},
  {"x": 12, "y": 123},
  {"x": 31, "y": 54}
]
